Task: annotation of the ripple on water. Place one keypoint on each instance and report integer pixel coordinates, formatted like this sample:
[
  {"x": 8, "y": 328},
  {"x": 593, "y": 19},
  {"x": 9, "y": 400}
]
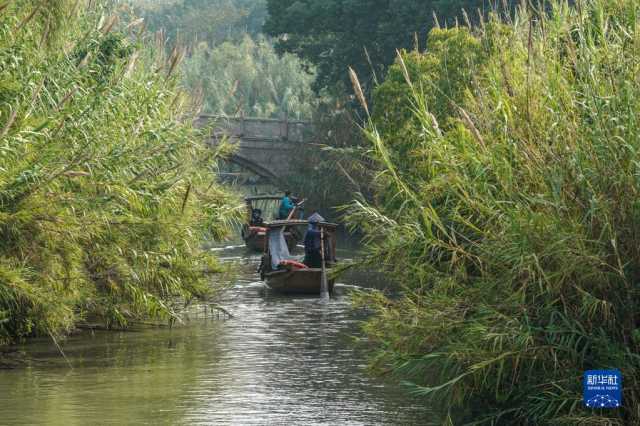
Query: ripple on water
[{"x": 280, "y": 360}]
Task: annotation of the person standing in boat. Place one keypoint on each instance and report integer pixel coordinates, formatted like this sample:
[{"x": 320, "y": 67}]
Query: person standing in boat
[
  {"x": 286, "y": 205},
  {"x": 312, "y": 246}
]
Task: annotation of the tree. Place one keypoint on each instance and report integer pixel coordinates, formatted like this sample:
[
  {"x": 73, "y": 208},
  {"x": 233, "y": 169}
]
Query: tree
[
  {"x": 249, "y": 77},
  {"x": 211, "y": 21},
  {"x": 363, "y": 34},
  {"x": 230, "y": 62}
]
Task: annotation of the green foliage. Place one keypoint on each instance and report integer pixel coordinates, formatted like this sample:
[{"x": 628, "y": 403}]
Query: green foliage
[
  {"x": 440, "y": 77},
  {"x": 230, "y": 65},
  {"x": 210, "y": 21},
  {"x": 507, "y": 210},
  {"x": 105, "y": 189},
  {"x": 362, "y": 34},
  {"x": 249, "y": 77},
  {"x": 329, "y": 172}
]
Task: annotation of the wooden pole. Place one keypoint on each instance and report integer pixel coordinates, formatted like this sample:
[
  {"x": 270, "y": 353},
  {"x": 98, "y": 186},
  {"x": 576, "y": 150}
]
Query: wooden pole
[
  {"x": 324, "y": 286},
  {"x": 293, "y": 210},
  {"x": 286, "y": 125}
]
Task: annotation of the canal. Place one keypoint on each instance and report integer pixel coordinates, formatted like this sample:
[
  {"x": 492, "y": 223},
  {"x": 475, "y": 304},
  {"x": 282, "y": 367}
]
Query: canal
[{"x": 279, "y": 360}]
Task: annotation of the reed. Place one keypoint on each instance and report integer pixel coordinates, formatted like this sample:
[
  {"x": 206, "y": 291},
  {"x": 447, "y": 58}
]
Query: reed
[
  {"x": 105, "y": 187},
  {"x": 507, "y": 209}
]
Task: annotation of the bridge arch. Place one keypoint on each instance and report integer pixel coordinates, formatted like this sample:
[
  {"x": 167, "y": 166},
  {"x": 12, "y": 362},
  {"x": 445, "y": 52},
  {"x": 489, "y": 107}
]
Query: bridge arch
[
  {"x": 266, "y": 147},
  {"x": 253, "y": 167}
]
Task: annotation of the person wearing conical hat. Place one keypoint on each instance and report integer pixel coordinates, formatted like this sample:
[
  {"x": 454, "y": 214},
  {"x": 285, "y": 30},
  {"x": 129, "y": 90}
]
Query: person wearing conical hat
[{"x": 312, "y": 245}]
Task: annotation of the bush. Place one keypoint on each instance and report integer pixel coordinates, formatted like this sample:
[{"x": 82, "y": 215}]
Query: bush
[
  {"x": 105, "y": 190},
  {"x": 507, "y": 209}
]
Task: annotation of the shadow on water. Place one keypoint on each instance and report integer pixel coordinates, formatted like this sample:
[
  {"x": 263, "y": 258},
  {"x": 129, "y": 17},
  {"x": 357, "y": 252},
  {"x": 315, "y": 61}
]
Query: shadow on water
[{"x": 280, "y": 360}]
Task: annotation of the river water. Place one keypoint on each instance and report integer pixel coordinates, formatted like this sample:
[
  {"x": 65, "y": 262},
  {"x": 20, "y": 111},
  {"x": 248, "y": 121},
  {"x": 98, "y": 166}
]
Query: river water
[{"x": 278, "y": 361}]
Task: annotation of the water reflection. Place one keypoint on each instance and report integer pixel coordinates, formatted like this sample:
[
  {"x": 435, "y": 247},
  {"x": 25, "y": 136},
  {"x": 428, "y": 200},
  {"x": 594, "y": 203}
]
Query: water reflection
[{"x": 280, "y": 360}]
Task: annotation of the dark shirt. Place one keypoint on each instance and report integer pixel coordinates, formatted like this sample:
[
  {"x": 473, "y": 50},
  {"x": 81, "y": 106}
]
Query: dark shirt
[
  {"x": 312, "y": 241},
  {"x": 312, "y": 256},
  {"x": 256, "y": 218}
]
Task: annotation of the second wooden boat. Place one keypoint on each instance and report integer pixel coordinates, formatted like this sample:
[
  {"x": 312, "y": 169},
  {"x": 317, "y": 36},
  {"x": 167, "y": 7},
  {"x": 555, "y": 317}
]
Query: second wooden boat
[
  {"x": 255, "y": 238},
  {"x": 260, "y": 210}
]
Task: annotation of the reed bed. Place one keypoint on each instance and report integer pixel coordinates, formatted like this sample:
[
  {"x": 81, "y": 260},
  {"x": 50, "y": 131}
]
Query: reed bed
[
  {"x": 105, "y": 187},
  {"x": 507, "y": 208}
]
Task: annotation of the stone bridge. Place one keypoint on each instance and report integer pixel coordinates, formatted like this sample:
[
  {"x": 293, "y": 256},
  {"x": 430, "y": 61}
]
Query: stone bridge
[{"x": 265, "y": 146}]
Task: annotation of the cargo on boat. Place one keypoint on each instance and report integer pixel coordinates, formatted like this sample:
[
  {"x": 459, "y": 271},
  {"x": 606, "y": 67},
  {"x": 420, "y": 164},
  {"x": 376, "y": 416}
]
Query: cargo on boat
[{"x": 285, "y": 274}]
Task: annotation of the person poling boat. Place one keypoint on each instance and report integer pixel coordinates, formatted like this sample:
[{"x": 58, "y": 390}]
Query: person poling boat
[
  {"x": 289, "y": 205},
  {"x": 284, "y": 273}
]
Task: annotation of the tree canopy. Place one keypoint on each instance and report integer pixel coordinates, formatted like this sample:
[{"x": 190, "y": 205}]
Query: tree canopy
[
  {"x": 250, "y": 78},
  {"x": 229, "y": 61},
  {"x": 363, "y": 34},
  {"x": 211, "y": 21}
]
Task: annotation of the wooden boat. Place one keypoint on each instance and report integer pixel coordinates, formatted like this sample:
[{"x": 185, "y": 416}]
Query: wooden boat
[
  {"x": 292, "y": 277},
  {"x": 254, "y": 231}
]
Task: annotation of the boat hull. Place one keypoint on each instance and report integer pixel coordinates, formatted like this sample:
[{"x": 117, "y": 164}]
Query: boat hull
[
  {"x": 297, "y": 281},
  {"x": 256, "y": 242}
]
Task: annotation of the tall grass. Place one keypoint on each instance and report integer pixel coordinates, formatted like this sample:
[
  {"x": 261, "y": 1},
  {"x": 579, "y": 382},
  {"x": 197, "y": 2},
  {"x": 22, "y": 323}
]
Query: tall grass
[
  {"x": 105, "y": 190},
  {"x": 507, "y": 208}
]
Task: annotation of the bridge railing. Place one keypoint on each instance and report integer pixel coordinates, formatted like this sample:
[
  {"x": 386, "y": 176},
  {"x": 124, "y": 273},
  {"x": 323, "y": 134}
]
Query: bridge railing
[{"x": 258, "y": 128}]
